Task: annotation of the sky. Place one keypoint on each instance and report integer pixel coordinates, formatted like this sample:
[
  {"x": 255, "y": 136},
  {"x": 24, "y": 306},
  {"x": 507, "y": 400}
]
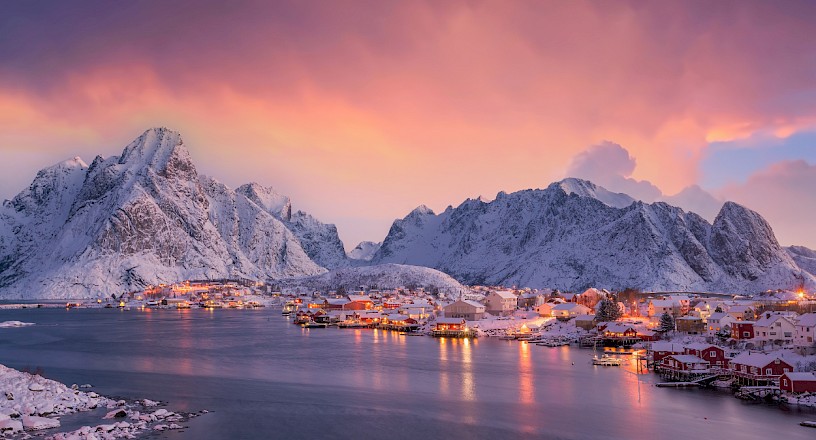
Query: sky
[{"x": 361, "y": 111}]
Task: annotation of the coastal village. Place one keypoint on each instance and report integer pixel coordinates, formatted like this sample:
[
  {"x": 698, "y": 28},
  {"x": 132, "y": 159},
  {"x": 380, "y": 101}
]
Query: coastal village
[{"x": 763, "y": 347}]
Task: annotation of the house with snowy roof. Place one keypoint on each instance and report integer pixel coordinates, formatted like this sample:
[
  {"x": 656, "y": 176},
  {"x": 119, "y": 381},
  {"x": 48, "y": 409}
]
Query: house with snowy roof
[
  {"x": 359, "y": 302},
  {"x": 713, "y": 354},
  {"x": 691, "y": 325},
  {"x": 684, "y": 365},
  {"x": 742, "y": 330},
  {"x": 719, "y": 322},
  {"x": 501, "y": 302},
  {"x": 529, "y": 300},
  {"x": 465, "y": 308},
  {"x": 805, "y": 334},
  {"x": 657, "y": 307},
  {"x": 660, "y": 350},
  {"x": 798, "y": 382},
  {"x": 774, "y": 328},
  {"x": 741, "y": 312},
  {"x": 569, "y": 310},
  {"x": 758, "y": 368},
  {"x": 544, "y": 309},
  {"x": 683, "y": 300}
]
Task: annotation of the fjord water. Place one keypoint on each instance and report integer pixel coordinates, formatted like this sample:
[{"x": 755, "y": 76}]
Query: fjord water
[{"x": 264, "y": 378}]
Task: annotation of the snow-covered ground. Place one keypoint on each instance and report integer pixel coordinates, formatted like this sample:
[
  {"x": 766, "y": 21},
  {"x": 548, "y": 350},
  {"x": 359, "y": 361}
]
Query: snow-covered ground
[{"x": 30, "y": 402}]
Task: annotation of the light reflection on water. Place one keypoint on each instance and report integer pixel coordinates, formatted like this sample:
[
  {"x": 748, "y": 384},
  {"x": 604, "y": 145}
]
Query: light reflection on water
[{"x": 262, "y": 375}]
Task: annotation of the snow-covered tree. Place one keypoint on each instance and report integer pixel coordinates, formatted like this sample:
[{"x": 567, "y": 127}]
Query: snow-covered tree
[
  {"x": 608, "y": 310},
  {"x": 666, "y": 323}
]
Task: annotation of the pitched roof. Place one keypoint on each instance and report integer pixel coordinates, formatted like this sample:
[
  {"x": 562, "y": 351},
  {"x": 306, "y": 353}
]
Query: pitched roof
[
  {"x": 801, "y": 376},
  {"x": 688, "y": 359},
  {"x": 667, "y": 346},
  {"x": 807, "y": 320},
  {"x": 450, "y": 320},
  {"x": 584, "y": 317},
  {"x": 664, "y": 303},
  {"x": 361, "y": 298},
  {"x": 506, "y": 294},
  {"x": 701, "y": 346},
  {"x": 568, "y": 306},
  {"x": 768, "y": 319},
  {"x": 618, "y": 327},
  {"x": 716, "y": 316},
  {"x": 755, "y": 359}
]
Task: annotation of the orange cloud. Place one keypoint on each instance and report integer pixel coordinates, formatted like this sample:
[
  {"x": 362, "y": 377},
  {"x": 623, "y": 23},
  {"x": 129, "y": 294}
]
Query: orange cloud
[{"x": 365, "y": 110}]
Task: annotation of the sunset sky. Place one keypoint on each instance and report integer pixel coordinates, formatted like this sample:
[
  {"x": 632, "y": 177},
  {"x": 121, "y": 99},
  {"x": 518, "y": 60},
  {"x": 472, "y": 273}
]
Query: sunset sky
[{"x": 360, "y": 111}]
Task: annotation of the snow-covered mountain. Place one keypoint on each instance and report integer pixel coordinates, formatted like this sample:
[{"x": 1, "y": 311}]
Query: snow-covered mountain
[
  {"x": 574, "y": 234},
  {"x": 804, "y": 257},
  {"x": 146, "y": 217},
  {"x": 364, "y": 251},
  {"x": 384, "y": 276},
  {"x": 320, "y": 240}
]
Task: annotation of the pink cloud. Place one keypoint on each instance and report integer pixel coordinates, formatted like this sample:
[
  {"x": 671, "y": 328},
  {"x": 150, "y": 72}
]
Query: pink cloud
[{"x": 350, "y": 105}]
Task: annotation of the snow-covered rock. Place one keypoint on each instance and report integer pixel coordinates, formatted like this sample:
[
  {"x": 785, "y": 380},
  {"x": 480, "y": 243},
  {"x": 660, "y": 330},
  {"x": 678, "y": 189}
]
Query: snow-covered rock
[
  {"x": 6, "y": 324},
  {"x": 384, "y": 276},
  {"x": 364, "y": 251},
  {"x": 804, "y": 257},
  {"x": 320, "y": 240},
  {"x": 147, "y": 217},
  {"x": 34, "y": 423},
  {"x": 574, "y": 235}
]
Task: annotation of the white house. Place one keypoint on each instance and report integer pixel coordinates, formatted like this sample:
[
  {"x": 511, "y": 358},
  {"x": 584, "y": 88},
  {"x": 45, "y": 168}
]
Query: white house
[
  {"x": 501, "y": 302},
  {"x": 683, "y": 300},
  {"x": 774, "y": 327},
  {"x": 719, "y": 322},
  {"x": 469, "y": 310},
  {"x": 657, "y": 307},
  {"x": 568, "y": 310},
  {"x": 805, "y": 335},
  {"x": 544, "y": 309}
]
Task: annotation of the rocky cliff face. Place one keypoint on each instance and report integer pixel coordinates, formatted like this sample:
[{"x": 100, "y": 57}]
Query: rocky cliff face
[
  {"x": 143, "y": 217},
  {"x": 804, "y": 258},
  {"x": 573, "y": 235},
  {"x": 364, "y": 251}
]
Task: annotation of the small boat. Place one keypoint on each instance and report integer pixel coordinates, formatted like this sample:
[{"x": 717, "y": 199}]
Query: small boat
[
  {"x": 607, "y": 361},
  {"x": 313, "y": 324},
  {"x": 288, "y": 308},
  {"x": 809, "y": 424}
]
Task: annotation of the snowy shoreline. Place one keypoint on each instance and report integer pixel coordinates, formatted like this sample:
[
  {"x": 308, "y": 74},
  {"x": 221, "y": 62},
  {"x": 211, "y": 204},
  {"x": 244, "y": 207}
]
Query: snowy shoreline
[{"x": 31, "y": 405}]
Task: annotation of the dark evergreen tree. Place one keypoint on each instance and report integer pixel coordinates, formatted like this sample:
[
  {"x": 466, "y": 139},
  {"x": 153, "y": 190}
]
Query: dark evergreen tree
[
  {"x": 608, "y": 310},
  {"x": 666, "y": 323}
]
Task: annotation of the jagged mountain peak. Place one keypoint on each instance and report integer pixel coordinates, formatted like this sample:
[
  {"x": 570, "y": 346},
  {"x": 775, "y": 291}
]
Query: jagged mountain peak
[
  {"x": 585, "y": 188},
  {"x": 147, "y": 217},
  {"x": 575, "y": 234},
  {"x": 421, "y": 210},
  {"x": 268, "y": 199},
  {"x": 364, "y": 251},
  {"x": 161, "y": 150}
]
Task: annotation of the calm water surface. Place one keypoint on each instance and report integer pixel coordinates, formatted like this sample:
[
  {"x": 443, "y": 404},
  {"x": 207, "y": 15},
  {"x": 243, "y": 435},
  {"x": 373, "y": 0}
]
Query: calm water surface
[{"x": 265, "y": 378}]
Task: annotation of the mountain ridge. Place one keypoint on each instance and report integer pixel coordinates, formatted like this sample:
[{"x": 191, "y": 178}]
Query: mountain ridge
[
  {"x": 565, "y": 236},
  {"x": 143, "y": 217}
]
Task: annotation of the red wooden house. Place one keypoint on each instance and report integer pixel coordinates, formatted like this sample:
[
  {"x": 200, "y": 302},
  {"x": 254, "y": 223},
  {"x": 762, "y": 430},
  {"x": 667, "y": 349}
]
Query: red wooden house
[
  {"x": 660, "y": 350},
  {"x": 684, "y": 363},
  {"x": 743, "y": 330},
  {"x": 709, "y": 352},
  {"x": 758, "y": 367},
  {"x": 798, "y": 382}
]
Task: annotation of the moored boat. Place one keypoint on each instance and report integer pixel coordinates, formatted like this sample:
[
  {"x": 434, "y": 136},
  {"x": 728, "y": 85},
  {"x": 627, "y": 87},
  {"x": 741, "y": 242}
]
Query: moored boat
[{"x": 607, "y": 361}]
